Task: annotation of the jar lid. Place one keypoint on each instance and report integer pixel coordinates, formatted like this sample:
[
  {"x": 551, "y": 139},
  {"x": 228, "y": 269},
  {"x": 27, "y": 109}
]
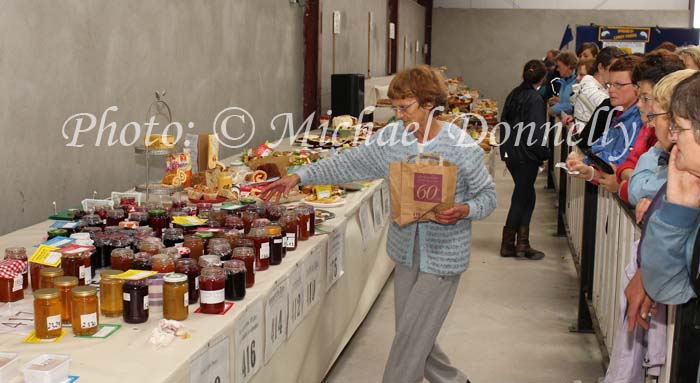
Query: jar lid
[
  {"x": 175, "y": 230},
  {"x": 210, "y": 260},
  {"x": 46, "y": 294},
  {"x": 156, "y": 212},
  {"x": 234, "y": 265},
  {"x": 15, "y": 251},
  {"x": 175, "y": 278},
  {"x": 185, "y": 262},
  {"x": 57, "y": 231},
  {"x": 66, "y": 281},
  {"x": 110, "y": 274},
  {"x": 274, "y": 230},
  {"x": 51, "y": 272},
  {"x": 204, "y": 235},
  {"x": 84, "y": 291}
]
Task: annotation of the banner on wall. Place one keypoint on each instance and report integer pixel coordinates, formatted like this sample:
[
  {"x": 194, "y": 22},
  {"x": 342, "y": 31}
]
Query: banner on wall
[
  {"x": 628, "y": 47},
  {"x": 629, "y": 34}
]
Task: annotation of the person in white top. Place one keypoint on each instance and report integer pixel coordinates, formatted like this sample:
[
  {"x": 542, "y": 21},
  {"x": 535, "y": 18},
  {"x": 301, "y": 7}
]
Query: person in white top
[{"x": 588, "y": 92}]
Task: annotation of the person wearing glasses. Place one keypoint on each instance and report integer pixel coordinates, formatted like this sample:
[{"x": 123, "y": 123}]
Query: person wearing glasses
[
  {"x": 615, "y": 144},
  {"x": 430, "y": 256},
  {"x": 647, "y": 73}
]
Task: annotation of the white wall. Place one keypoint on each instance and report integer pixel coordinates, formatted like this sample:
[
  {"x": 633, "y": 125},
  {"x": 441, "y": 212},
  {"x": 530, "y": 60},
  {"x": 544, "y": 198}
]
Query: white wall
[
  {"x": 411, "y": 30},
  {"x": 678, "y": 5}
]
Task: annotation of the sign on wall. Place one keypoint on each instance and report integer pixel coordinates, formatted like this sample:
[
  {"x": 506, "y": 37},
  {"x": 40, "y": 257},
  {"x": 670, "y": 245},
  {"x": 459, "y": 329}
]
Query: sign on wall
[{"x": 636, "y": 34}]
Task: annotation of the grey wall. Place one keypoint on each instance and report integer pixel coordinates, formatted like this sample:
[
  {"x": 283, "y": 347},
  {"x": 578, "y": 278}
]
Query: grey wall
[
  {"x": 411, "y": 29},
  {"x": 65, "y": 57},
  {"x": 489, "y": 47}
]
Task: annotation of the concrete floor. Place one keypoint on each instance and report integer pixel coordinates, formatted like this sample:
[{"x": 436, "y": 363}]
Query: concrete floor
[{"x": 510, "y": 318}]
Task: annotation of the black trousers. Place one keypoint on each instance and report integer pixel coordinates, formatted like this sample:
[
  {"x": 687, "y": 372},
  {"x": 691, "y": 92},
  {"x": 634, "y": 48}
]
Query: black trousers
[{"x": 522, "y": 202}]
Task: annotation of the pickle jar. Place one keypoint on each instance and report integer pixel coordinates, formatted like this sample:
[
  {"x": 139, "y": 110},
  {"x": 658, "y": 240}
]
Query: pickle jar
[
  {"x": 111, "y": 304},
  {"x": 175, "y": 297},
  {"x": 212, "y": 281},
  {"x": 47, "y": 313},
  {"x": 20, "y": 254},
  {"x": 85, "y": 317},
  {"x": 64, "y": 285},
  {"x": 135, "y": 301},
  {"x": 48, "y": 275},
  {"x": 188, "y": 266}
]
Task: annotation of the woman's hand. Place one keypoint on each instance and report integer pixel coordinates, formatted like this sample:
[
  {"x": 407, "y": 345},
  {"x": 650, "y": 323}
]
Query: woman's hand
[
  {"x": 567, "y": 119},
  {"x": 683, "y": 187},
  {"x": 553, "y": 100},
  {"x": 574, "y": 156},
  {"x": 639, "y": 305},
  {"x": 609, "y": 181},
  {"x": 585, "y": 172},
  {"x": 641, "y": 208},
  {"x": 452, "y": 215},
  {"x": 280, "y": 188}
]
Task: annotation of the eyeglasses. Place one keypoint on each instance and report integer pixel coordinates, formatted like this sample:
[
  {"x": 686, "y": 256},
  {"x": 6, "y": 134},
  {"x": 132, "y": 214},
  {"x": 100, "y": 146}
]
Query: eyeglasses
[
  {"x": 618, "y": 85},
  {"x": 674, "y": 128},
  {"x": 402, "y": 108},
  {"x": 652, "y": 116},
  {"x": 646, "y": 98}
]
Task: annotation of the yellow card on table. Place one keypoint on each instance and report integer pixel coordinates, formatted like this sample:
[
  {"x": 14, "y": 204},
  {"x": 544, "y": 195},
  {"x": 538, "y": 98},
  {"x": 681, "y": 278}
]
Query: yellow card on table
[
  {"x": 31, "y": 338},
  {"x": 323, "y": 191},
  {"x": 135, "y": 274},
  {"x": 188, "y": 220},
  {"x": 46, "y": 255}
]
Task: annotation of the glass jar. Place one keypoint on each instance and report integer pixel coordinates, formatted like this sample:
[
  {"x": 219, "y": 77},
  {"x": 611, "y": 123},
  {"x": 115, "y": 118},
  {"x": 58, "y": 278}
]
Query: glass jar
[
  {"x": 212, "y": 281},
  {"x": 303, "y": 215},
  {"x": 11, "y": 280},
  {"x": 189, "y": 267},
  {"x": 175, "y": 297},
  {"x": 247, "y": 255},
  {"x": 48, "y": 275},
  {"x": 142, "y": 232},
  {"x": 92, "y": 220},
  {"x": 204, "y": 210},
  {"x": 93, "y": 231},
  {"x": 64, "y": 285},
  {"x": 158, "y": 220},
  {"x": 155, "y": 293},
  {"x": 259, "y": 209},
  {"x": 234, "y": 222},
  {"x": 235, "y": 271},
  {"x": 260, "y": 222},
  {"x": 47, "y": 314},
  {"x": 219, "y": 216},
  {"x": 290, "y": 226},
  {"x": 142, "y": 261},
  {"x": 150, "y": 245},
  {"x": 173, "y": 237},
  {"x": 20, "y": 254},
  {"x": 122, "y": 258},
  {"x": 232, "y": 236},
  {"x": 262, "y": 248},
  {"x": 220, "y": 247},
  {"x": 135, "y": 301},
  {"x": 85, "y": 273},
  {"x": 275, "y": 212},
  {"x": 277, "y": 249},
  {"x": 139, "y": 216},
  {"x": 114, "y": 216},
  {"x": 205, "y": 237},
  {"x": 248, "y": 216},
  {"x": 84, "y": 310},
  {"x": 111, "y": 293},
  {"x": 71, "y": 265},
  {"x": 196, "y": 246},
  {"x": 209, "y": 260},
  {"x": 53, "y": 233},
  {"x": 162, "y": 263},
  {"x": 34, "y": 270},
  {"x": 245, "y": 242}
]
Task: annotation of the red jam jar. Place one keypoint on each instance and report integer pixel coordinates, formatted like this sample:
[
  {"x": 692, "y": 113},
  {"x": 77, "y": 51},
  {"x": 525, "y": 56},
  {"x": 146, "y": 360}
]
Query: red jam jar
[
  {"x": 261, "y": 244},
  {"x": 150, "y": 245},
  {"x": 290, "y": 225},
  {"x": 220, "y": 247},
  {"x": 248, "y": 217},
  {"x": 122, "y": 259},
  {"x": 196, "y": 246},
  {"x": 158, "y": 220},
  {"x": 20, "y": 254},
  {"x": 188, "y": 266},
  {"x": 234, "y": 222},
  {"x": 114, "y": 216},
  {"x": 274, "y": 232},
  {"x": 304, "y": 220},
  {"x": 11, "y": 280},
  {"x": 142, "y": 261},
  {"x": 212, "y": 290},
  {"x": 247, "y": 255}
]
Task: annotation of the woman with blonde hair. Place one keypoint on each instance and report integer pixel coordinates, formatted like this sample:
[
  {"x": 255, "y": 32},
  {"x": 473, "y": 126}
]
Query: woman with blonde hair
[{"x": 690, "y": 56}]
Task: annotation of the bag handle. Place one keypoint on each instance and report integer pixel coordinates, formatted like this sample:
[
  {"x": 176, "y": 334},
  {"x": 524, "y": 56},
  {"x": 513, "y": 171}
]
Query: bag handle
[{"x": 426, "y": 156}]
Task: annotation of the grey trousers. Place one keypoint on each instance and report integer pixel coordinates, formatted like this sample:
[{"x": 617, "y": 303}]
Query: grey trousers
[{"x": 421, "y": 303}]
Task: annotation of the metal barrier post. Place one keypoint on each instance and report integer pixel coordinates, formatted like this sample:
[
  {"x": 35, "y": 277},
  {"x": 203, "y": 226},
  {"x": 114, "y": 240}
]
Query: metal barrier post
[
  {"x": 561, "y": 217},
  {"x": 686, "y": 344},
  {"x": 550, "y": 166},
  {"x": 590, "y": 204}
]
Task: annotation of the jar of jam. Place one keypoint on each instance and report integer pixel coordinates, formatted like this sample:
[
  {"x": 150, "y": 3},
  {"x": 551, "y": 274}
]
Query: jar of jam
[
  {"x": 220, "y": 247},
  {"x": 245, "y": 242},
  {"x": 212, "y": 281},
  {"x": 11, "y": 280},
  {"x": 122, "y": 258},
  {"x": 115, "y": 242},
  {"x": 172, "y": 252},
  {"x": 85, "y": 274},
  {"x": 196, "y": 246},
  {"x": 275, "y": 212},
  {"x": 158, "y": 220},
  {"x": 175, "y": 297},
  {"x": 142, "y": 261},
  {"x": 234, "y": 222},
  {"x": 260, "y": 222},
  {"x": 20, "y": 254},
  {"x": 290, "y": 224},
  {"x": 150, "y": 245},
  {"x": 84, "y": 310},
  {"x": 47, "y": 314},
  {"x": 205, "y": 237},
  {"x": 135, "y": 301},
  {"x": 247, "y": 256},
  {"x": 173, "y": 237},
  {"x": 48, "y": 275},
  {"x": 303, "y": 214},
  {"x": 64, "y": 285},
  {"x": 235, "y": 279},
  {"x": 277, "y": 249},
  {"x": 92, "y": 220},
  {"x": 232, "y": 236},
  {"x": 53, "y": 233},
  {"x": 139, "y": 216},
  {"x": 113, "y": 229},
  {"x": 34, "y": 270},
  {"x": 72, "y": 264},
  {"x": 111, "y": 293},
  {"x": 189, "y": 267},
  {"x": 248, "y": 216},
  {"x": 219, "y": 216},
  {"x": 261, "y": 244},
  {"x": 259, "y": 209},
  {"x": 204, "y": 210},
  {"x": 155, "y": 293},
  {"x": 142, "y": 232},
  {"x": 114, "y": 216},
  {"x": 209, "y": 260},
  {"x": 162, "y": 263}
]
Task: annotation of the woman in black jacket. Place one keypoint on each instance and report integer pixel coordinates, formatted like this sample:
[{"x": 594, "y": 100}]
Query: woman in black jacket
[{"x": 523, "y": 148}]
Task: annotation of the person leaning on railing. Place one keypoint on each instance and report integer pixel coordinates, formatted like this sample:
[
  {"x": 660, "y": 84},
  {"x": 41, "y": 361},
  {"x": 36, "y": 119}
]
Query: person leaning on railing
[{"x": 566, "y": 65}]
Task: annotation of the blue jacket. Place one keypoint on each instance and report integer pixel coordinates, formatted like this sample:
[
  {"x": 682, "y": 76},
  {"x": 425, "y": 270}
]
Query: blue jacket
[
  {"x": 616, "y": 143},
  {"x": 564, "y": 104},
  {"x": 648, "y": 176}
]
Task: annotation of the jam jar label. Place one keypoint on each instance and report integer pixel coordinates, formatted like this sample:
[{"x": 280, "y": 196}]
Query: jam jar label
[
  {"x": 88, "y": 275},
  {"x": 196, "y": 283},
  {"x": 53, "y": 322},
  {"x": 126, "y": 297},
  {"x": 88, "y": 320},
  {"x": 211, "y": 296},
  {"x": 265, "y": 250},
  {"x": 291, "y": 240},
  {"x": 17, "y": 283},
  {"x": 187, "y": 299},
  {"x": 145, "y": 302}
]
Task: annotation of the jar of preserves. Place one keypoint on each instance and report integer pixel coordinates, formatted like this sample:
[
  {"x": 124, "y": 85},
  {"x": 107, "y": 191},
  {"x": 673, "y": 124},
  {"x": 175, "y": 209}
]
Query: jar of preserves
[
  {"x": 219, "y": 216},
  {"x": 85, "y": 273},
  {"x": 275, "y": 212},
  {"x": 290, "y": 224},
  {"x": 114, "y": 216},
  {"x": 175, "y": 297},
  {"x": 190, "y": 268},
  {"x": 196, "y": 246},
  {"x": 111, "y": 293},
  {"x": 247, "y": 256},
  {"x": 20, "y": 254},
  {"x": 162, "y": 263},
  {"x": 303, "y": 215},
  {"x": 142, "y": 232},
  {"x": 11, "y": 280},
  {"x": 245, "y": 242},
  {"x": 47, "y": 314},
  {"x": 235, "y": 271},
  {"x": 139, "y": 216},
  {"x": 277, "y": 249},
  {"x": 92, "y": 220},
  {"x": 205, "y": 237},
  {"x": 212, "y": 282},
  {"x": 248, "y": 216},
  {"x": 209, "y": 260},
  {"x": 259, "y": 209},
  {"x": 158, "y": 220},
  {"x": 220, "y": 247},
  {"x": 64, "y": 285},
  {"x": 232, "y": 236},
  {"x": 115, "y": 242},
  {"x": 122, "y": 258},
  {"x": 234, "y": 222},
  {"x": 172, "y": 252},
  {"x": 71, "y": 264},
  {"x": 262, "y": 248},
  {"x": 84, "y": 310},
  {"x": 135, "y": 301},
  {"x": 142, "y": 261},
  {"x": 173, "y": 237},
  {"x": 260, "y": 222},
  {"x": 150, "y": 245},
  {"x": 34, "y": 270},
  {"x": 47, "y": 276}
]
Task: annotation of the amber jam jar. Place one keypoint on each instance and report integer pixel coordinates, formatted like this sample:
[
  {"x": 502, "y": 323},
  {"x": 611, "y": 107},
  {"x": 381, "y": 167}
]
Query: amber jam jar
[
  {"x": 48, "y": 275},
  {"x": 175, "y": 297},
  {"x": 84, "y": 310},
  {"x": 47, "y": 313},
  {"x": 111, "y": 304},
  {"x": 64, "y": 285}
]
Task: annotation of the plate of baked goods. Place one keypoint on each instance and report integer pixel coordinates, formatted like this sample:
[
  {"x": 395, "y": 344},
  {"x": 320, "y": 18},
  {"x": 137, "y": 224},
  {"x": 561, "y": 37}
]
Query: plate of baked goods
[{"x": 332, "y": 201}]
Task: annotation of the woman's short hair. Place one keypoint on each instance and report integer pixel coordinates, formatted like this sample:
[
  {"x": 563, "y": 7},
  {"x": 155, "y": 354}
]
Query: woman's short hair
[
  {"x": 655, "y": 65},
  {"x": 593, "y": 47},
  {"x": 568, "y": 58},
  {"x": 691, "y": 51},
  {"x": 664, "y": 88},
  {"x": 668, "y": 46},
  {"x": 685, "y": 101},
  {"x": 589, "y": 64},
  {"x": 423, "y": 83},
  {"x": 625, "y": 64},
  {"x": 606, "y": 56}
]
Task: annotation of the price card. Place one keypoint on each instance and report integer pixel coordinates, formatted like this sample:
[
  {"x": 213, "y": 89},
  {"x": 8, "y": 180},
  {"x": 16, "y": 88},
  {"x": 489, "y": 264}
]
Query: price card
[
  {"x": 58, "y": 241},
  {"x": 32, "y": 338},
  {"x": 296, "y": 298},
  {"x": 46, "y": 255},
  {"x": 377, "y": 209},
  {"x": 64, "y": 225},
  {"x": 334, "y": 257},
  {"x": 105, "y": 330},
  {"x": 135, "y": 274},
  {"x": 366, "y": 224},
  {"x": 312, "y": 278},
  {"x": 212, "y": 365},
  {"x": 249, "y": 347},
  {"x": 386, "y": 199},
  {"x": 276, "y": 316}
]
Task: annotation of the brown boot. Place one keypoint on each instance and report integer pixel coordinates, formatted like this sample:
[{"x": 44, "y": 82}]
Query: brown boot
[
  {"x": 508, "y": 242},
  {"x": 522, "y": 247}
]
